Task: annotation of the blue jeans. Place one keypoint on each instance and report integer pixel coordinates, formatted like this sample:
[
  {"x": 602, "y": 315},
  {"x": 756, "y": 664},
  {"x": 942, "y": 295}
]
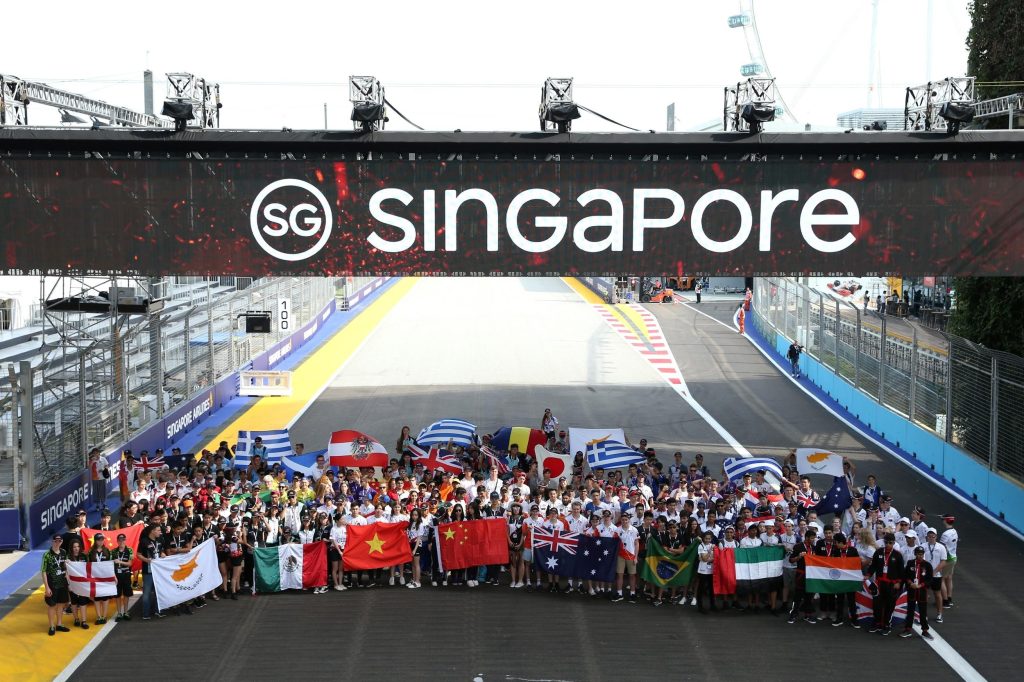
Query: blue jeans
[
  {"x": 148, "y": 595},
  {"x": 796, "y": 366}
]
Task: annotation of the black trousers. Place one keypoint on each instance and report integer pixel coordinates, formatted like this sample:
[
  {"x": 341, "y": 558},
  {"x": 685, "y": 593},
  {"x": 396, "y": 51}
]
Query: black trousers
[
  {"x": 846, "y": 606},
  {"x": 802, "y": 599},
  {"x": 917, "y": 599},
  {"x": 705, "y": 587},
  {"x": 885, "y": 603}
]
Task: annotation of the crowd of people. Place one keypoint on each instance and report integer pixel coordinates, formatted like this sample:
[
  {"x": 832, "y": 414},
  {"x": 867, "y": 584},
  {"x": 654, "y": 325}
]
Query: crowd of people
[{"x": 679, "y": 504}]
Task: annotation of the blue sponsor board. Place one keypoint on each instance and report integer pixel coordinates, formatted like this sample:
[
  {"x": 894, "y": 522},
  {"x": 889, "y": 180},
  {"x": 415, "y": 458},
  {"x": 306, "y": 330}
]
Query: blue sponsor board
[
  {"x": 285, "y": 347},
  {"x": 10, "y": 528},
  {"x": 47, "y": 514}
]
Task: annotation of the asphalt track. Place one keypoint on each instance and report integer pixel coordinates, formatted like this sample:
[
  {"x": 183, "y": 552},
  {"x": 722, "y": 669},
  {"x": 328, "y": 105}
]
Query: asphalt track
[{"x": 498, "y": 352}]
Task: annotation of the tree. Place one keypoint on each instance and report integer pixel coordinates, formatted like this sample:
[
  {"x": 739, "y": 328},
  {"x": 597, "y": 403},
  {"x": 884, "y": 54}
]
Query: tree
[{"x": 987, "y": 309}]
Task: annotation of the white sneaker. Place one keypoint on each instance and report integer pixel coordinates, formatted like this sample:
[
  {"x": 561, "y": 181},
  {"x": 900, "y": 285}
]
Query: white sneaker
[
  {"x": 338, "y": 588},
  {"x": 444, "y": 583},
  {"x": 411, "y": 585},
  {"x": 401, "y": 579},
  {"x": 391, "y": 580}
]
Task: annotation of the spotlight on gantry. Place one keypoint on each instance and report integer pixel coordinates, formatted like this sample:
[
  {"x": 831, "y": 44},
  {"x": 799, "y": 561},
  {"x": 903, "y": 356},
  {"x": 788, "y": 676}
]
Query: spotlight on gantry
[
  {"x": 367, "y": 96},
  {"x": 557, "y": 110}
]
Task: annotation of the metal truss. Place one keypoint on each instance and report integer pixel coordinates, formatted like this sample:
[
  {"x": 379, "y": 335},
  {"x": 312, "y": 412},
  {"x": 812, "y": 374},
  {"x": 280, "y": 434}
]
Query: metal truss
[
  {"x": 16, "y": 94},
  {"x": 200, "y": 93},
  {"x": 755, "y": 91},
  {"x": 922, "y": 103}
]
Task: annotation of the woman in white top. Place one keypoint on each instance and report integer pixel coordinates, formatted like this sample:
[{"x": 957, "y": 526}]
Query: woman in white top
[
  {"x": 705, "y": 571},
  {"x": 866, "y": 546},
  {"x": 339, "y": 534},
  {"x": 306, "y": 530},
  {"x": 415, "y": 533}
]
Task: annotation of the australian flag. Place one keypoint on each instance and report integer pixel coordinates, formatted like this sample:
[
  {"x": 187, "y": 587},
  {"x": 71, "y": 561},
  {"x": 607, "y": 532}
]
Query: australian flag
[
  {"x": 837, "y": 499},
  {"x": 575, "y": 556}
]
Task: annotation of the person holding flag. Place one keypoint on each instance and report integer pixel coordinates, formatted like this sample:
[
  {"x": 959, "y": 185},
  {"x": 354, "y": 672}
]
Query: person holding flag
[
  {"x": 918, "y": 576},
  {"x": 887, "y": 568},
  {"x": 99, "y": 552},
  {"x": 625, "y": 564},
  {"x": 79, "y": 603},
  {"x": 123, "y": 556},
  {"x": 55, "y": 584}
]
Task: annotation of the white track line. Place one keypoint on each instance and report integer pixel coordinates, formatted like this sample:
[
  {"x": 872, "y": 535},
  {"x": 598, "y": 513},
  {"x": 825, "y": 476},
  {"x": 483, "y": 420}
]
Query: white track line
[
  {"x": 939, "y": 645},
  {"x": 87, "y": 650}
]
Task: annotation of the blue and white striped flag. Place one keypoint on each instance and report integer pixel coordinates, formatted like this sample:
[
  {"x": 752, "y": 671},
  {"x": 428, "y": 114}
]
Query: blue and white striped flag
[
  {"x": 276, "y": 442},
  {"x": 611, "y": 454},
  {"x": 440, "y": 432},
  {"x": 736, "y": 467}
]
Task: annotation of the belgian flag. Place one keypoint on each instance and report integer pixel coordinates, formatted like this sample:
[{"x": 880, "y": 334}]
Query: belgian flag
[{"x": 663, "y": 569}]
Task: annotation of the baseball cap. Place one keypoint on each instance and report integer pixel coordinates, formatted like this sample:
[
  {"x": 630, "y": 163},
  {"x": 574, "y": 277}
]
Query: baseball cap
[
  {"x": 949, "y": 518},
  {"x": 919, "y": 549},
  {"x": 122, "y": 536},
  {"x": 932, "y": 530},
  {"x": 904, "y": 519},
  {"x": 495, "y": 496}
]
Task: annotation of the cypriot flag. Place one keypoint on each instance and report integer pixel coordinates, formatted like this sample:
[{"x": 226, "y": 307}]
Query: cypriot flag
[
  {"x": 182, "y": 577},
  {"x": 814, "y": 461}
]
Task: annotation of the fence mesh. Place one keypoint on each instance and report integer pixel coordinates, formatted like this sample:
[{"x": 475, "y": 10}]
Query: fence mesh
[{"x": 969, "y": 395}]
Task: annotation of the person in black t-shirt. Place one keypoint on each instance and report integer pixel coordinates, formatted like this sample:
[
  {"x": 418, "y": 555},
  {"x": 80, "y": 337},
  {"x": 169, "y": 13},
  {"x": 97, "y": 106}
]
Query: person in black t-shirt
[
  {"x": 150, "y": 548},
  {"x": 123, "y": 555}
]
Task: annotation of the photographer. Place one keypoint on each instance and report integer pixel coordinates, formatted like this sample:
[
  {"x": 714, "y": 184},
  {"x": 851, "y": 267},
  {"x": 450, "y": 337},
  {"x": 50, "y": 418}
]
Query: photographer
[{"x": 794, "y": 358}]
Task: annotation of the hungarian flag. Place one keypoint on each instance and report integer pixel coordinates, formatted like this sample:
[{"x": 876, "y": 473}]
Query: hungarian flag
[
  {"x": 725, "y": 570},
  {"x": 668, "y": 570},
  {"x": 472, "y": 543},
  {"x": 92, "y": 579},
  {"x": 132, "y": 534},
  {"x": 353, "y": 449},
  {"x": 833, "y": 574},
  {"x": 377, "y": 545},
  {"x": 291, "y": 567},
  {"x": 558, "y": 465},
  {"x": 523, "y": 436},
  {"x": 758, "y": 569}
]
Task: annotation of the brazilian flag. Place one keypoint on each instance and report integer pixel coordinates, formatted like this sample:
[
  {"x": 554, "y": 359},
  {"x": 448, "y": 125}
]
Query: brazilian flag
[{"x": 668, "y": 570}]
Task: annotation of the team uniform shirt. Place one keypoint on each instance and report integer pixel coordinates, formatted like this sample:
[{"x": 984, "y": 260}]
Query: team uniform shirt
[
  {"x": 935, "y": 554},
  {"x": 54, "y": 565},
  {"x": 706, "y": 567},
  {"x": 125, "y": 554},
  {"x": 608, "y": 531},
  {"x": 630, "y": 539},
  {"x": 950, "y": 538},
  {"x": 750, "y": 542},
  {"x": 338, "y": 535},
  {"x": 529, "y": 523},
  {"x": 577, "y": 524},
  {"x": 494, "y": 486},
  {"x": 788, "y": 542},
  {"x": 151, "y": 550},
  {"x": 728, "y": 544},
  {"x": 769, "y": 540},
  {"x": 921, "y": 528},
  {"x": 890, "y": 516}
]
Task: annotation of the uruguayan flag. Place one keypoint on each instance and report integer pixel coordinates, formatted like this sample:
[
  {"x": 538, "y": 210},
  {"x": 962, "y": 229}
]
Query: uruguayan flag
[
  {"x": 736, "y": 467},
  {"x": 276, "y": 443},
  {"x": 611, "y": 454},
  {"x": 440, "y": 432}
]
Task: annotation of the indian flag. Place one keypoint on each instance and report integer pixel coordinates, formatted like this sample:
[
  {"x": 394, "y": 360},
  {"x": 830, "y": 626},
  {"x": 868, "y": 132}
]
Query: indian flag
[
  {"x": 758, "y": 569},
  {"x": 833, "y": 574},
  {"x": 291, "y": 567}
]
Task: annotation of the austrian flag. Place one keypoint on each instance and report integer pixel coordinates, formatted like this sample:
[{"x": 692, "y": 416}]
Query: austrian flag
[{"x": 357, "y": 450}]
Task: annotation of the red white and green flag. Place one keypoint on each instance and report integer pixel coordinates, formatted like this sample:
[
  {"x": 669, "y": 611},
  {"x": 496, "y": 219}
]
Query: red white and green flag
[
  {"x": 833, "y": 574},
  {"x": 291, "y": 567}
]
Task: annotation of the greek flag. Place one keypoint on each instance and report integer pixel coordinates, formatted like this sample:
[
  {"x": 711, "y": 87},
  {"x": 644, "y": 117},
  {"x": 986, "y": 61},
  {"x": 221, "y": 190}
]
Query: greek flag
[
  {"x": 276, "y": 442},
  {"x": 736, "y": 467},
  {"x": 611, "y": 454},
  {"x": 440, "y": 432}
]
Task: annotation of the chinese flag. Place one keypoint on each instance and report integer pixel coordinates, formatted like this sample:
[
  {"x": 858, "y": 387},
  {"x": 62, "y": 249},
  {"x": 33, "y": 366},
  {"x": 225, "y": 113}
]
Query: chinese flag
[
  {"x": 131, "y": 539},
  {"x": 377, "y": 545},
  {"x": 473, "y": 543}
]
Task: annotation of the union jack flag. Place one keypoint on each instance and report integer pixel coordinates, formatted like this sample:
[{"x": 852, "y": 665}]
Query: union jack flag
[
  {"x": 436, "y": 458},
  {"x": 807, "y": 500},
  {"x": 555, "y": 540},
  {"x": 150, "y": 462},
  {"x": 502, "y": 463},
  {"x": 866, "y": 607}
]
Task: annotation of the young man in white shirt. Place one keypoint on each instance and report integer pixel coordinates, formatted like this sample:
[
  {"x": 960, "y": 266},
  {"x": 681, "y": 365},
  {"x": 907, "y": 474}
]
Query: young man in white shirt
[
  {"x": 936, "y": 554},
  {"x": 705, "y": 571},
  {"x": 951, "y": 539},
  {"x": 625, "y": 563}
]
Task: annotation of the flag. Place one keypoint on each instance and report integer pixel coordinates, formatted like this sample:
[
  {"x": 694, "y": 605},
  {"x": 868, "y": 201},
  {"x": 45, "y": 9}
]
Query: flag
[
  {"x": 376, "y": 545},
  {"x": 758, "y": 569},
  {"x": 736, "y": 467},
  {"x": 182, "y": 577},
  {"x": 92, "y": 579},
  {"x": 559, "y": 465},
  {"x": 725, "y": 571},
  {"x": 668, "y": 570},
  {"x": 596, "y": 558},
  {"x": 457, "y": 431},
  {"x": 436, "y": 459},
  {"x": 833, "y": 575},
  {"x": 526, "y": 438},
  {"x": 554, "y": 551},
  {"x": 751, "y": 499},
  {"x": 605, "y": 453},
  {"x": 301, "y": 464},
  {"x": 472, "y": 543},
  {"x": 866, "y": 607},
  {"x": 131, "y": 539},
  {"x": 578, "y": 438},
  {"x": 150, "y": 462},
  {"x": 806, "y": 500},
  {"x": 837, "y": 499},
  {"x": 353, "y": 449},
  {"x": 497, "y": 459},
  {"x": 291, "y": 567},
  {"x": 277, "y": 443},
  {"x": 814, "y": 461}
]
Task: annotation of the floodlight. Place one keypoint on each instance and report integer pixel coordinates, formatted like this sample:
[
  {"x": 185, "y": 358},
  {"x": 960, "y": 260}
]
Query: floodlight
[
  {"x": 367, "y": 96},
  {"x": 557, "y": 110}
]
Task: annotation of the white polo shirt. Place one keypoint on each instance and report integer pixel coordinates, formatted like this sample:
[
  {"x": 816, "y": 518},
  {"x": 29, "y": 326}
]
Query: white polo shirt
[{"x": 935, "y": 554}]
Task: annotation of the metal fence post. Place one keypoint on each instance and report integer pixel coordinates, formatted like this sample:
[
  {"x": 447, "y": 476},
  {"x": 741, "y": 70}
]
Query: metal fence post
[
  {"x": 856, "y": 353},
  {"x": 835, "y": 334},
  {"x": 949, "y": 391},
  {"x": 27, "y": 432},
  {"x": 209, "y": 335},
  {"x": 993, "y": 445},
  {"x": 881, "y": 362},
  {"x": 913, "y": 377},
  {"x": 83, "y": 407}
]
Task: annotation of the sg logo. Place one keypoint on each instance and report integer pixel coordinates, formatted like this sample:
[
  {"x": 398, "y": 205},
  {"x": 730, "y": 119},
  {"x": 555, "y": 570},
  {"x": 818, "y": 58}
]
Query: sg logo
[{"x": 305, "y": 219}]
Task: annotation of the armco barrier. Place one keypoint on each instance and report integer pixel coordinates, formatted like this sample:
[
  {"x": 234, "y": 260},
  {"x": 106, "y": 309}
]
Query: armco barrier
[
  {"x": 602, "y": 286},
  {"x": 1002, "y": 497}
]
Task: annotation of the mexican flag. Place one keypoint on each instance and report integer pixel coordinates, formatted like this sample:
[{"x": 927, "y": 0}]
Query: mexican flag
[
  {"x": 758, "y": 569},
  {"x": 291, "y": 567},
  {"x": 833, "y": 574},
  {"x": 663, "y": 569}
]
